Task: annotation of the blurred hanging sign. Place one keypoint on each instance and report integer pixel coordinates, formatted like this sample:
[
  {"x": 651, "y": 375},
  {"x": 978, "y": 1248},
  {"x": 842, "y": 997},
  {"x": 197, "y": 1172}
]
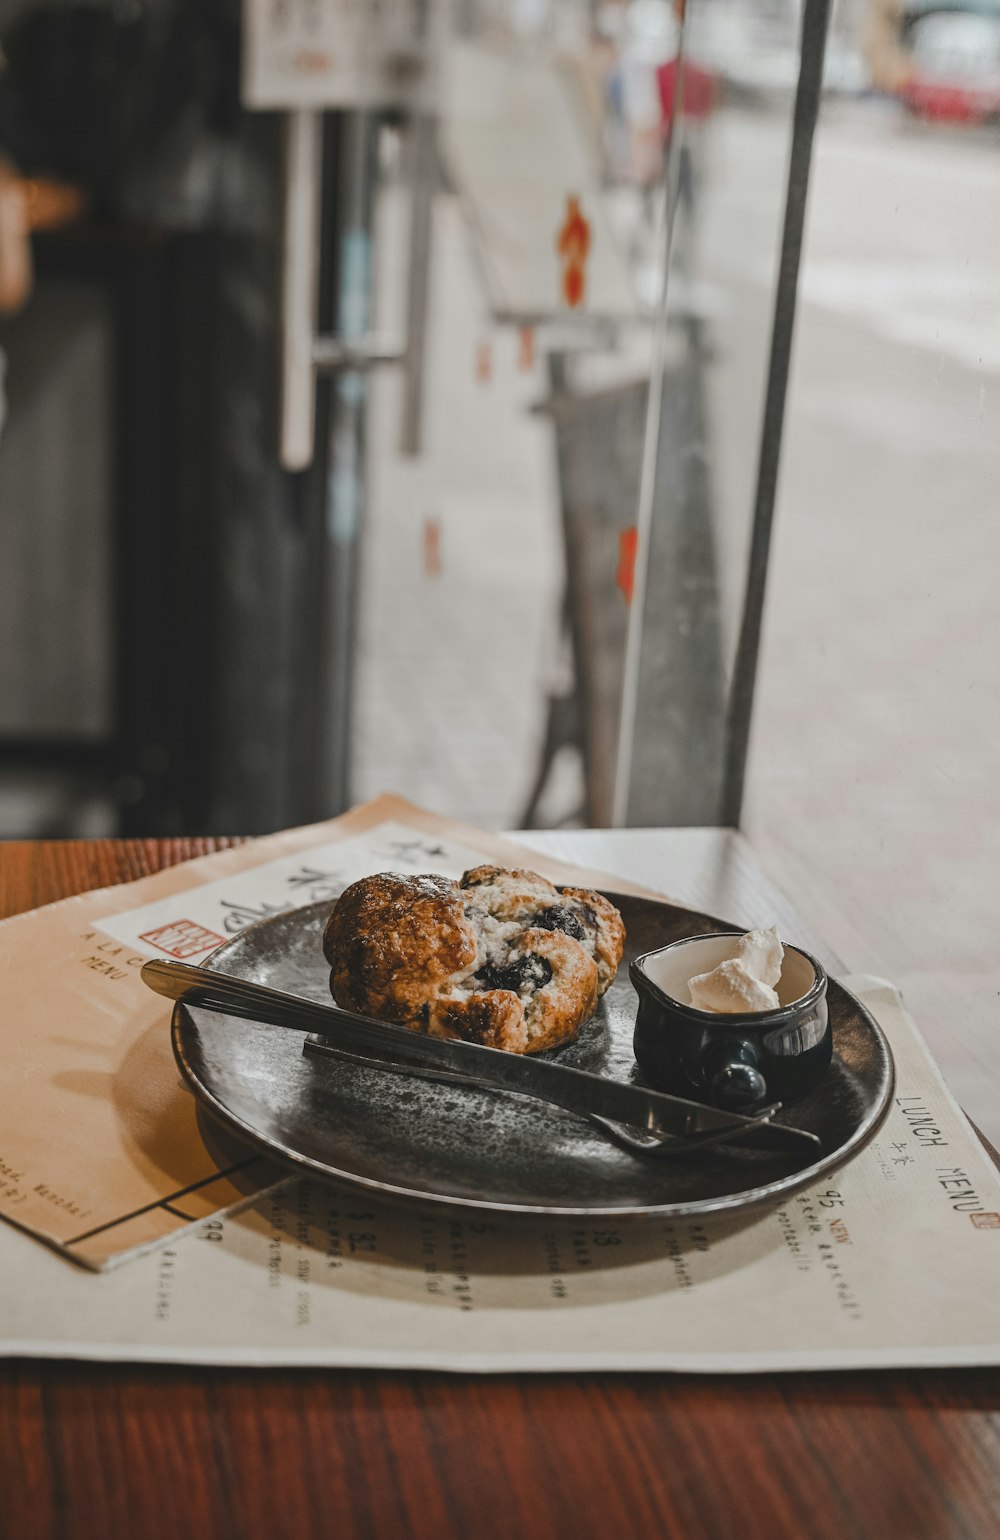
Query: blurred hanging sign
[
  {"x": 518, "y": 148},
  {"x": 341, "y": 53}
]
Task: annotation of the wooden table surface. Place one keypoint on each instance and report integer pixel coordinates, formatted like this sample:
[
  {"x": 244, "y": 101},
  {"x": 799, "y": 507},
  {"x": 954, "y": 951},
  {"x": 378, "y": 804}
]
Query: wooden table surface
[{"x": 133, "y": 1452}]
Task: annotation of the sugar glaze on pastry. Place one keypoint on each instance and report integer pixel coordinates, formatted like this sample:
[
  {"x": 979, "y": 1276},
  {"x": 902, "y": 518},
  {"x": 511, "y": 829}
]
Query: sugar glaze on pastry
[{"x": 502, "y": 957}]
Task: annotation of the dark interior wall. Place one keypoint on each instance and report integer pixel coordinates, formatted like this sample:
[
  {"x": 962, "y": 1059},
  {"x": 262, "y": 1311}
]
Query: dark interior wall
[
  {"x": 157, "y": 578},
  {"x": 55, "y": 516}
]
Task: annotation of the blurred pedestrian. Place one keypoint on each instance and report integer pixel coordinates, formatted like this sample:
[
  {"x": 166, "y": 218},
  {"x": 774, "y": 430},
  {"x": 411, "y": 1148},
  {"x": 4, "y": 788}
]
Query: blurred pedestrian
[{"x": 687, "y": 96}]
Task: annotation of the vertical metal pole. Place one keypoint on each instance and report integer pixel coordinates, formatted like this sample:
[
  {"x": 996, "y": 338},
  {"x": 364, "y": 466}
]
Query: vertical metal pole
[
  {"x": 423, "y": 169},
  {"x": 299, "y": 277},
  {"x": 650, "y": 450},
  {"x": 815, "y": 20},
  {"x": 344, "y": 508}
]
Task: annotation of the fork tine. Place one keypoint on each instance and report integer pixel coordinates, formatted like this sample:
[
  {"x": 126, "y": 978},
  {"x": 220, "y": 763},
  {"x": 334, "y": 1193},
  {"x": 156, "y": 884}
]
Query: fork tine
[{"x": 650, "y": 1144}]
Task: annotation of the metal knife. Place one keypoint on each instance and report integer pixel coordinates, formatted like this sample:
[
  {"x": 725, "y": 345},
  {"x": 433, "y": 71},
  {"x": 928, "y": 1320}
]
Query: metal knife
[{"x": 575, "y": 1090}]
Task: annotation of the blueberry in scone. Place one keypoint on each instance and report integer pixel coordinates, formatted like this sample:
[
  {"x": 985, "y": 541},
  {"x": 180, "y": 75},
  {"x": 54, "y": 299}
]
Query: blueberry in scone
[{"x": 502, "y": 957}]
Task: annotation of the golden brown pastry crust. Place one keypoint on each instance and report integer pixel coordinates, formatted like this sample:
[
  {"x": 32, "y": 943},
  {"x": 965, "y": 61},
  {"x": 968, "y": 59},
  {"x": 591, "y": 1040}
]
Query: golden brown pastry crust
[
  {"x": 504, "y": 958},
  {"x": 393, "y": 942},
  {"x": 609, "y": 931},
  {"x": 558, "y": 1009},
  {"x": 495, "y": 1018}
]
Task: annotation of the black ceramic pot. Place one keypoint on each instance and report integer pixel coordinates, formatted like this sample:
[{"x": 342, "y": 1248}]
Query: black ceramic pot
[{"x": 739, "y": 1061}]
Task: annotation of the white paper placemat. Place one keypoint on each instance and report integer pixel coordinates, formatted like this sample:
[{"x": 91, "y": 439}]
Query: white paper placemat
[{"x": 894, "y": 1261}]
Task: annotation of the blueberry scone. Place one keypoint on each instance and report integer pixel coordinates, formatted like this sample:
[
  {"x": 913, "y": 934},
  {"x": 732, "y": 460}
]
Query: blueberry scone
[{"x": 502, "y": 958}]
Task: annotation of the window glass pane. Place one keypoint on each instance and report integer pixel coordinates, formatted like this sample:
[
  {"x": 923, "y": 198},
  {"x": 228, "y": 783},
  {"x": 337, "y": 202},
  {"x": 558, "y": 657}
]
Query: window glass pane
[
  {"x": 505, "y": 465},
  {"x": 504, "y": 462},
  {"x": 734, "y": 127},
  {"x": 875, "y": 771}
]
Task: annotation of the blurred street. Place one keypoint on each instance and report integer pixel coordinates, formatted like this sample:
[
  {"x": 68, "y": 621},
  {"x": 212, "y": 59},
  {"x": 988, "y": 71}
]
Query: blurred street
[
  {"x": 462, "y": 560},
  {"x": 876, "y": 756}
]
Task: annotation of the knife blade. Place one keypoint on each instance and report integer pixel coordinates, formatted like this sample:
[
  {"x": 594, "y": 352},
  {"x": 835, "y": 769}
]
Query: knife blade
[{"x": 575, "y": 1090}]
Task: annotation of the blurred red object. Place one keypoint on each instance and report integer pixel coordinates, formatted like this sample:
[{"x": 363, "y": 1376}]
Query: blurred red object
[
  {"x": 628, "y": 546},
  {"x": 698, "y": 90},
  {"x": 948, "y": 102},
  {"x": 573, "y": 246}
]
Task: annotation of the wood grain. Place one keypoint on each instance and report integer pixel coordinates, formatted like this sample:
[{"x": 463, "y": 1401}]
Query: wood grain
[{"x": 97, "y": 1453}]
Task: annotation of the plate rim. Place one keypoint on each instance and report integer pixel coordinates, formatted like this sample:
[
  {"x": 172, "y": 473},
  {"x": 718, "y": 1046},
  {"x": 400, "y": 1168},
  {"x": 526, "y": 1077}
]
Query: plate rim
[{"x": 747, "y": 1198}]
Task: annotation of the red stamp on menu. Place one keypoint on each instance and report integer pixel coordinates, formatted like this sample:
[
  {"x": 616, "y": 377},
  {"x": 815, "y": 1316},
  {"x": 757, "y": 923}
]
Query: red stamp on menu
[
  {"x": 182, "y": 938},
  {"x": 986, "y": 1221}
]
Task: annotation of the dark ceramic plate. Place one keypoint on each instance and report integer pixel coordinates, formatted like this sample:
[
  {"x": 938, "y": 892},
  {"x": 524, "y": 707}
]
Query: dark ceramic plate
[{"x": 408, "y": 1139}]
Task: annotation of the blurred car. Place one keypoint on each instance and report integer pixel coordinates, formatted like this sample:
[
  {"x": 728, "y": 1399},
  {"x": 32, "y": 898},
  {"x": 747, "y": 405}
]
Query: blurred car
[
  {"x": 940, "y": 57},
  {"x": 956, "y": 60}
]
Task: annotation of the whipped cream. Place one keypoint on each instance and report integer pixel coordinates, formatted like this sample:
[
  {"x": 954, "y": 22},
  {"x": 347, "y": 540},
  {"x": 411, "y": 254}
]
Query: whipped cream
[{"x": 746, "y": 981}]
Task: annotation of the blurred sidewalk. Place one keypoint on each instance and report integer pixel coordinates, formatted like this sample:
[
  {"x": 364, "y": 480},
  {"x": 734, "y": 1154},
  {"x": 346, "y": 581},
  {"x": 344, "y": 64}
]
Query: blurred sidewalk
[{"x": 462, "y": 559}]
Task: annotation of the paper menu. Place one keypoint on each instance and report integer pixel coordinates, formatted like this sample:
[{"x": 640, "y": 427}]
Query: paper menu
[
  {"x": 892, "y": 1261},
  {"x": 101, "y": 1152}
]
